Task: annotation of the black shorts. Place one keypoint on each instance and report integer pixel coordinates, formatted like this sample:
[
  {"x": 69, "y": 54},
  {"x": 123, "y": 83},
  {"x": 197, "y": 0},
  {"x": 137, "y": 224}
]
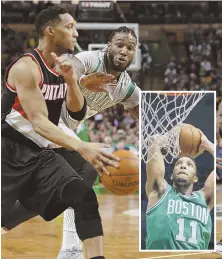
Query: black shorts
[
  {"x": 33, "y": 175},
  {"x": 84, "y": 169}
]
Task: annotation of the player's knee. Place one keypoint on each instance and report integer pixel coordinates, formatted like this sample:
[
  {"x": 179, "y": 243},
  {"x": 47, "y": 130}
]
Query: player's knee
[
  {"x": 89, "y": 208},
  {"x": 74, "y": 193},
  {"x": 87, "y": 217}
]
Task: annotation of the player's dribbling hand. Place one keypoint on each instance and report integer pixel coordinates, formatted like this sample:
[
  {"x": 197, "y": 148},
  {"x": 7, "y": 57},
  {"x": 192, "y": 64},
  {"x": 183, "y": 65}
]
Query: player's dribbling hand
[
  {"x": 96, "y": 82},
  {"x": 94, "y": 154},
  {"x": 64, "y": 67}
]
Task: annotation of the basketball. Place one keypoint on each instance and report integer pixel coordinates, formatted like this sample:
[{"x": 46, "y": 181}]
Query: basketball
[
  {"x": 125, "y": 179},
  {"x": 190, "y": 139}
]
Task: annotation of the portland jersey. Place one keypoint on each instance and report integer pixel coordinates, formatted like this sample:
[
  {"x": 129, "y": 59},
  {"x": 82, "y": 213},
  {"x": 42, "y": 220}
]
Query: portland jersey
[
  {"x": 15, "y": 123},
  {"x": 179, "y": 222},
  {"x": 124, "y": 91}
]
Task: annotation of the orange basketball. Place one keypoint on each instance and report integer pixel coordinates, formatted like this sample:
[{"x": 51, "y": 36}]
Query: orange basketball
[
  {"x": 190, "y": 139},
  {"x": 125, "y": 179}
]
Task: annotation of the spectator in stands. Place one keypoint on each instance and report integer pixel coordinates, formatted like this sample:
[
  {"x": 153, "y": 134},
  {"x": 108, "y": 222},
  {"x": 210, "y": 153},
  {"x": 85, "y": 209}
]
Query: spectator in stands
[
  {"x": 120, "y": 145},
  {"x": 146, "y": 58},
  {"x": 183, "y": 80},
  {"x": 31, "y": 41},
  {"x": 195, "y": 51},
  {"x": 188, "y": 38},
  {"x": 108, "y": 140},
  {"x": 205, "y": 67},
  {"x": 206, "y": 49},
  {"x": 211, "y": 37},
  {"x": 219, "y": 38},
  {"x": 170, "y": 76},
  {"x": 111, "y": 126}
]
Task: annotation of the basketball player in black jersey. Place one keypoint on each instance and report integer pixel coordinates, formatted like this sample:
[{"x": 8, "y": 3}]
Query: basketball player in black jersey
[{"x": 46, "y": 181}]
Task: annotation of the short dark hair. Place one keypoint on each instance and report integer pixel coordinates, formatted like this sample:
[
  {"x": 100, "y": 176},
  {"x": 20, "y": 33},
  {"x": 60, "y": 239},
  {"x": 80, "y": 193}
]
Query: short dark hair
[
  {"x": 48, "y": 16},
  {"x": 122, "y": 29},
  {"x": 188, "y": 157}
]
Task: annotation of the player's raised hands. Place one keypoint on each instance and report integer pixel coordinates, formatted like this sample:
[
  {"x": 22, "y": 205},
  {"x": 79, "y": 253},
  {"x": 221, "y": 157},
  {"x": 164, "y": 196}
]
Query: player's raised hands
[
  {"x": 205, "y": 144},
  {"x": 64, "y": 67},
  {"x": 97, "y": 82}
]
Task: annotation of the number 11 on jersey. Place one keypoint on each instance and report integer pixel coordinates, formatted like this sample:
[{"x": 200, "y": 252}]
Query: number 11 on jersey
[{"x": 193, "y": 231}]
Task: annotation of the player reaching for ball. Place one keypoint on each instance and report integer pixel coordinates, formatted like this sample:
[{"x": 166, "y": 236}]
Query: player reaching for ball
[
  {"x": 109, "y": 89},
  {"x": 177, "y": 217},
  {"x": 123, "y": 180}
]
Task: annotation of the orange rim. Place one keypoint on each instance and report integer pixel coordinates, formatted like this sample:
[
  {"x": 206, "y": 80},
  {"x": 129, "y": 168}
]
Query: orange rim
[{"x": 176, "y": 93}]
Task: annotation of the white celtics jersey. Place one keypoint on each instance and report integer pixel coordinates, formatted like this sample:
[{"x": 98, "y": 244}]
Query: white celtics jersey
[{"x": 124, "y": 91}]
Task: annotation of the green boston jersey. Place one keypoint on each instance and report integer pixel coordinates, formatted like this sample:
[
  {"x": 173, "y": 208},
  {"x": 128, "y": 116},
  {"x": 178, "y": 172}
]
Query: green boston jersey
[{"x": 178, "y": 222}]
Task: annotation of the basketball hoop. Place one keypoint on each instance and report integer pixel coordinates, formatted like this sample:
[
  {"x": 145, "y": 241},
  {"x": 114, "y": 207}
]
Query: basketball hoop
[{"x": 163, "y": 113}]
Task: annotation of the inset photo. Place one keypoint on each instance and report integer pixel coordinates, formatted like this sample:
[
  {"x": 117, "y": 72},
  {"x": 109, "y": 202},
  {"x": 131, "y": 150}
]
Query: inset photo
[{"x": 177, "y": 171}]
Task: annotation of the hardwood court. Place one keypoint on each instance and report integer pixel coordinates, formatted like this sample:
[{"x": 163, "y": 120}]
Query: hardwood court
[{"x": 37, "y": 239}]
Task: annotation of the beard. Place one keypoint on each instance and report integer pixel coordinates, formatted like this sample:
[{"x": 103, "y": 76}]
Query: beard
[
  {"x": 181, "y": 182},
  {"x": 116, "y": 67}
]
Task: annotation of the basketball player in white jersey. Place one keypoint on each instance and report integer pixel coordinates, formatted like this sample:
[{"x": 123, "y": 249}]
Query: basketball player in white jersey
[{"x": 93, "y": 67}]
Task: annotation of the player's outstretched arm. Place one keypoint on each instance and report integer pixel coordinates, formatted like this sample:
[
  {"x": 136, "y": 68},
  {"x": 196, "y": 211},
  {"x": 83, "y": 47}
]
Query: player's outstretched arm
[
  {"x": 74, "y": 97},
  {"x": 26, "y": 78},
  {"x": 209, "y": 185},
  {"x": 205, "y": 145},
  {"x": 155, "y": 169},
  {"x": 96, "y": 82},
  {"x": 85, "y": 63},
  {"x": 208, "y": 190}
]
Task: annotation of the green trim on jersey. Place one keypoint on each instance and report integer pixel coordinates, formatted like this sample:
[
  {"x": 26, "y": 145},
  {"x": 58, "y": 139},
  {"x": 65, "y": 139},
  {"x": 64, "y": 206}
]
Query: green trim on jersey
[
  {"x": 160, "y": 200},
  {"x": 130, "y": 91},
  {"x": 97, "y": 67}
]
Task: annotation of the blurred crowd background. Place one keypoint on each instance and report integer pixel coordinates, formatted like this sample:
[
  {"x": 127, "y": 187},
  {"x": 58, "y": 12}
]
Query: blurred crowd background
[
  {"x": 114, "y": 126},
  {"x": 180, "y": 43}
]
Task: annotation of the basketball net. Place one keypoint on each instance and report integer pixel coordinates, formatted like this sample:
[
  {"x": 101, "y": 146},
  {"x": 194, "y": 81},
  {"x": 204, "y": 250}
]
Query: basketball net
[{"x": 163, "y": 114}]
